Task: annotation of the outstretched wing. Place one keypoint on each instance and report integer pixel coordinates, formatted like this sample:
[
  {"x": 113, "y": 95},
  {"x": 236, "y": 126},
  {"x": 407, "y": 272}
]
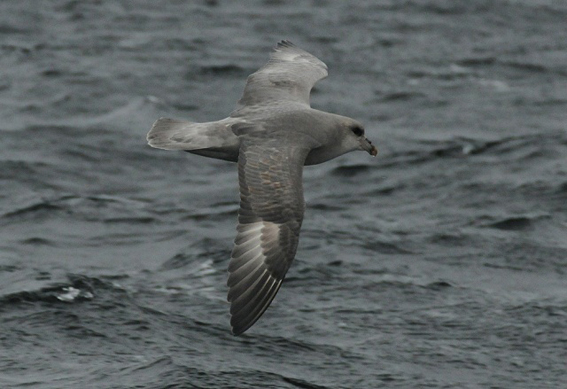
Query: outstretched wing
[
  {"x": 288, "y": 76},
  {"x": 269, "y": 219}
]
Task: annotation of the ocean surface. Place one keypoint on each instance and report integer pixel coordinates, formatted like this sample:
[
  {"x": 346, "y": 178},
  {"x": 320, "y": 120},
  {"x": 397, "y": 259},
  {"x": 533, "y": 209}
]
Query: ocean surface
[{"x": 439, "y": 264}]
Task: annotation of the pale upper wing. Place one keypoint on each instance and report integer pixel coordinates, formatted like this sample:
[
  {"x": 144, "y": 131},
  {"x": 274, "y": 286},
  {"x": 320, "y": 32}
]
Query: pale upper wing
[
  {"x": 269, "y": 219},
  {"x": 288, "y": 76}
]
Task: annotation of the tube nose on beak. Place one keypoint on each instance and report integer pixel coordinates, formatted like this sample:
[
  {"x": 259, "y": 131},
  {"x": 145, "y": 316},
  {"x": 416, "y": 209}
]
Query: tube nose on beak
[{"x": 369, "y": 147}]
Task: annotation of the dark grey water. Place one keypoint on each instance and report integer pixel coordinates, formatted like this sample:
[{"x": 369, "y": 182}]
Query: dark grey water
[{"x": 439, "y": 264}]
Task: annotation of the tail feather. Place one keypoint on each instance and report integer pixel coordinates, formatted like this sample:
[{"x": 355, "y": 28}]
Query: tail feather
[{"x": 171, "y": 134}]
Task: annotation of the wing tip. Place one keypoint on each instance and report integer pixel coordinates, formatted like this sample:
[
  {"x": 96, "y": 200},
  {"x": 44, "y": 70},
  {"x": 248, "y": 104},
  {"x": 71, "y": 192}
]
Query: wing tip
[
  {"x": 284, "y": 43},
  {"x": 239, "y": 325},
  {"x": 237, "y": 331}
]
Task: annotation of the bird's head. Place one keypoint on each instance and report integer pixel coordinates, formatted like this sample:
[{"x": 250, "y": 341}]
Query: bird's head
[{"x": 354, "y": 135}]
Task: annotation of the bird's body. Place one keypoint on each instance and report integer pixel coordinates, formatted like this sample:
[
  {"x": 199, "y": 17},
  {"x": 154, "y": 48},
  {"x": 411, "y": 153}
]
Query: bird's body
[{"x": 272, "y": 134}]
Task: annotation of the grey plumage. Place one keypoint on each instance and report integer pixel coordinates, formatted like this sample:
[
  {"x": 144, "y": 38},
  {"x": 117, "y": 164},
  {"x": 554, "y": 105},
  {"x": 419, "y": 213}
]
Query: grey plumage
[
  {"x": 286, "y": 80},
  {"x": 272, "y": 134}
]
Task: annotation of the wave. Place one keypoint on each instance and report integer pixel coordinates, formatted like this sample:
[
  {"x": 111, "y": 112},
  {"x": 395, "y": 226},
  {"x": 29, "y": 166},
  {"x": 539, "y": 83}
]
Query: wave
[{"x": 78, "y": 288}]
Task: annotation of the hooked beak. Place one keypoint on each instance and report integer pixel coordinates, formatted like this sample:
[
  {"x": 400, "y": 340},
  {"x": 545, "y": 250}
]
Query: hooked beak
[{"x": 368, "y": 146}]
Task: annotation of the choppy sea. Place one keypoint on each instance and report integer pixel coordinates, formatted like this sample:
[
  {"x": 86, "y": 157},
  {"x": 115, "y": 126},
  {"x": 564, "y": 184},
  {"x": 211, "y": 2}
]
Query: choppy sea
[{"x": 439, "y": 264}]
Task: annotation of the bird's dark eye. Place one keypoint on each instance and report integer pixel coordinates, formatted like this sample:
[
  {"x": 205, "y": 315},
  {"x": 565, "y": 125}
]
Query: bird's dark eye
[{"x": 358, "y": 131}]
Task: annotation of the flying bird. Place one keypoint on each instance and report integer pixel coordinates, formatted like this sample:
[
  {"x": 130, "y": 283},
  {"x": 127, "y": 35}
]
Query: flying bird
[{"x": 271, "y": 135}]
